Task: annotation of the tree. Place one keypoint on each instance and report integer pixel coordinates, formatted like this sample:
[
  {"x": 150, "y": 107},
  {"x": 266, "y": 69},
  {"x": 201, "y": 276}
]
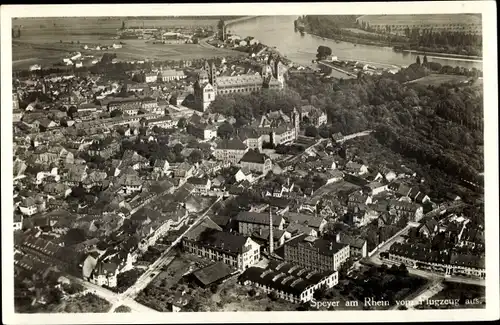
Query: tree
[
  {"x": 273, "y": 296},
  {"x": 182, "y": 123},
  {"x": 173, "y": 100},
  {"x": 123, "y": 25},
  {"x": 116, "y": 112},
  {"x": 323, "y": 52},
  {"x": 72, "y": 110},
  {"x": 225, "y": 130},
  {"x": 195, "y": 156},
  {"x": 311, "y": 131},
  {"x": 418, "y": 59}
]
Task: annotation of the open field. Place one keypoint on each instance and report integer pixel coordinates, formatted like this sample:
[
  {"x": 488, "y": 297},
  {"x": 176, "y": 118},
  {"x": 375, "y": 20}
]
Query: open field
[
  {"x": 422, "y": 20},
  {"x": 438, "y": 79},
  {"x": 334, "y": 188},
  {"x": 232, "y": 296},
  {"x": 25, "y": 54},
  {"x": 360, "y": 31},
  {"x": 102, "y": 25}
]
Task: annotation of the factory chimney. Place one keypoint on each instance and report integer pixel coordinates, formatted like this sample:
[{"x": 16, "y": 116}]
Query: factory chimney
[{"x": 271, "y": 237}]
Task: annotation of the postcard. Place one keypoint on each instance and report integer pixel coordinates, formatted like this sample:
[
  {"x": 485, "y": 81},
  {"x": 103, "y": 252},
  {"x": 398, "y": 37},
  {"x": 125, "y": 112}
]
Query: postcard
[{"x": 247, "y": 163}]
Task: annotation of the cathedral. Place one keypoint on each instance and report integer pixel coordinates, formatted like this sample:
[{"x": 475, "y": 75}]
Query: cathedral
[{"x": 209, "y": 84}]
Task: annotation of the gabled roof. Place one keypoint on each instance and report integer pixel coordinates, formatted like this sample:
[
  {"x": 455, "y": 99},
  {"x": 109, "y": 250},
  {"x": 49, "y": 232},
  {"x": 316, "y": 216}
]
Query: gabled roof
[
  {"x": 253, "y": 156},
  {"x": 212, "y": 273},
  {"x": 258, "y": 218},
  {"x": 233, "y": 144}
]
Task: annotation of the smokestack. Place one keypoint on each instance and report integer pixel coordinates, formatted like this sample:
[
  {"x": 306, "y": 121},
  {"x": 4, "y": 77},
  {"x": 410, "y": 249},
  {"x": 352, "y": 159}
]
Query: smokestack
[{"x": 271, "y": 237}]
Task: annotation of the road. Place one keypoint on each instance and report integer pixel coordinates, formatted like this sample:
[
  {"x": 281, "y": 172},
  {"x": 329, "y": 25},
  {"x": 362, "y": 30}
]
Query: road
[
  {"x": 429, "y": 291},
  {"x": 155, "y": 268},
  {"x": 356, "y": 135},
  {"x": 114, "y": 298},
  {"x": 331, "y": 66}
]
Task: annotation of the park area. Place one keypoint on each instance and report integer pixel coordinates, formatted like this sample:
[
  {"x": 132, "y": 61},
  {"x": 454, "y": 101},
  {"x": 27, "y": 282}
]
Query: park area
[
  {"x": 86, "y": 303},
  {"x": 438, "y": 79},
  {"x": 342, "y": 186},
  {"x": 415, "y": 20}
]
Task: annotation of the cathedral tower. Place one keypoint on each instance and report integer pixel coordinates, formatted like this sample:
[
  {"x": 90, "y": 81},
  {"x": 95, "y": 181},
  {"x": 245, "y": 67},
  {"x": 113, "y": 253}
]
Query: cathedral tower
[{"x": 296, "y": 122}]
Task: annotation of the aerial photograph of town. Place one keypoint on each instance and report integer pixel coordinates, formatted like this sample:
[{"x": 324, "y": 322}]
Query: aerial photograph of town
[{"x": 248, "y": 163}]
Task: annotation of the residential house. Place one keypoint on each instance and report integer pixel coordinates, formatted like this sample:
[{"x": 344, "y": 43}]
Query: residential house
[
  {"x": 161, "y": 166},
  {"x": 28, "y": 206},
  {"x": 315, "y": 222},
  {"x": 356, "y": 198},
  {"x": 151, "y": 77},
  {"x": 412, "y": 211},
  {"x": 356, "y": 168},
  {"x": 248, "y": 222},
  {"x": 201, "y": 185},
  {"x": 375, "y": 188},
  {"x": 256, "y": 162},
  {"x": 357, "y": 246},
  {"x": 202, "y": 131},
  {"x": 313, "y": 115},
  {"x": 18, "y": 221},
  {"x": 262, "y": 237},
  {"x": 251, "y": 138},
  {"x": 170, "y": 75},
  {"x": 429, "y": 228},
  {"x": 230, "y": 151},
  {"x": 244, "y": 174}
]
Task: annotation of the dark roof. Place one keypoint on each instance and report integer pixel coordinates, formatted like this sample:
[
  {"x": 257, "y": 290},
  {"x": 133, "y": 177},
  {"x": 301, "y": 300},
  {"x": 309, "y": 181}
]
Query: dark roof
[
  {"x": 221, "y": 220},
  {"x": 194, "y": 234},
  {"x": 253, "y": 156},
  {"x": 305, "y": 219},
  {"x": 223, "y": 241},
  {"x": 352, "y": 241},
  {"x": 324, "y": 246},
  {"x": 212, "y": 273},
  {"x": 284, "y": 277},
  {"x": 258, "y": 218},
  {"x": 198, "y": 180},
  {"x": 233, "y": 144}
]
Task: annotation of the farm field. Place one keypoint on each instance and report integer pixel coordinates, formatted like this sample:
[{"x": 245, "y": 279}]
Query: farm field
[
  {"x": 360, "y": 31},
  {"x": 437, "y": 79},
  {"x": 439, "y": 19},
  {"x": 25, "y": 54},
  {"x": 86, "y": 25},
  {"x": 334, "y": 188}
]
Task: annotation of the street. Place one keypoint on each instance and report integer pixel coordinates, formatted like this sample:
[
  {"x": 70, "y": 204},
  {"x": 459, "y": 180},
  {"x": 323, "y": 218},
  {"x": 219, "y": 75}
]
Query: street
[
  {"x": 429, "y": 291},
  {"x": 112, "y": 297},
  {"x": 155, "y": 268}
]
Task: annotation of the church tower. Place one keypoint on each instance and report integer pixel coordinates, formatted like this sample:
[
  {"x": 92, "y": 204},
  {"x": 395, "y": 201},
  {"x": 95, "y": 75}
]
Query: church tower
[
  {"x": 296, "y": 122},
  {"x": 267, "y": 74},
  {"x": 213, "y": 75}
]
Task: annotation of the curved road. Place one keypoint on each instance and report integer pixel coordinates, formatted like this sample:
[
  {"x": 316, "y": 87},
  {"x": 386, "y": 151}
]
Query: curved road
[{"x": 155, "y": 268}]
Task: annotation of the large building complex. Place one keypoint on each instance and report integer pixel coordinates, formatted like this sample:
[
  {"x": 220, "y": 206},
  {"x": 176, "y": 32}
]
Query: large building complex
[
  {"x": 317, "y": 253},
  {"x": 209, "y": 84}
]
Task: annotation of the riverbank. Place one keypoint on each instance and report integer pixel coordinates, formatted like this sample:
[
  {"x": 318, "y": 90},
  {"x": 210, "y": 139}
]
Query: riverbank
[
  {"x": 356, "y": 40},
  {"x": 237, "y": 20},
  {"x": 447, "y": 55}
]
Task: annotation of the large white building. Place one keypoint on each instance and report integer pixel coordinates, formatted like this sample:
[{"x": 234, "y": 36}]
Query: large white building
[
  {"x": 209, "y": 84},
  {"x": 289, "y": 281},
  {"x": 209, "y": 241}
]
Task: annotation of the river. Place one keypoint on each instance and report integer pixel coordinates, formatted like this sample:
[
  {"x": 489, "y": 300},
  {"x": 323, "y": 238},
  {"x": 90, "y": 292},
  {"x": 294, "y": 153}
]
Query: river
[{"x": 279, "y": 31}]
